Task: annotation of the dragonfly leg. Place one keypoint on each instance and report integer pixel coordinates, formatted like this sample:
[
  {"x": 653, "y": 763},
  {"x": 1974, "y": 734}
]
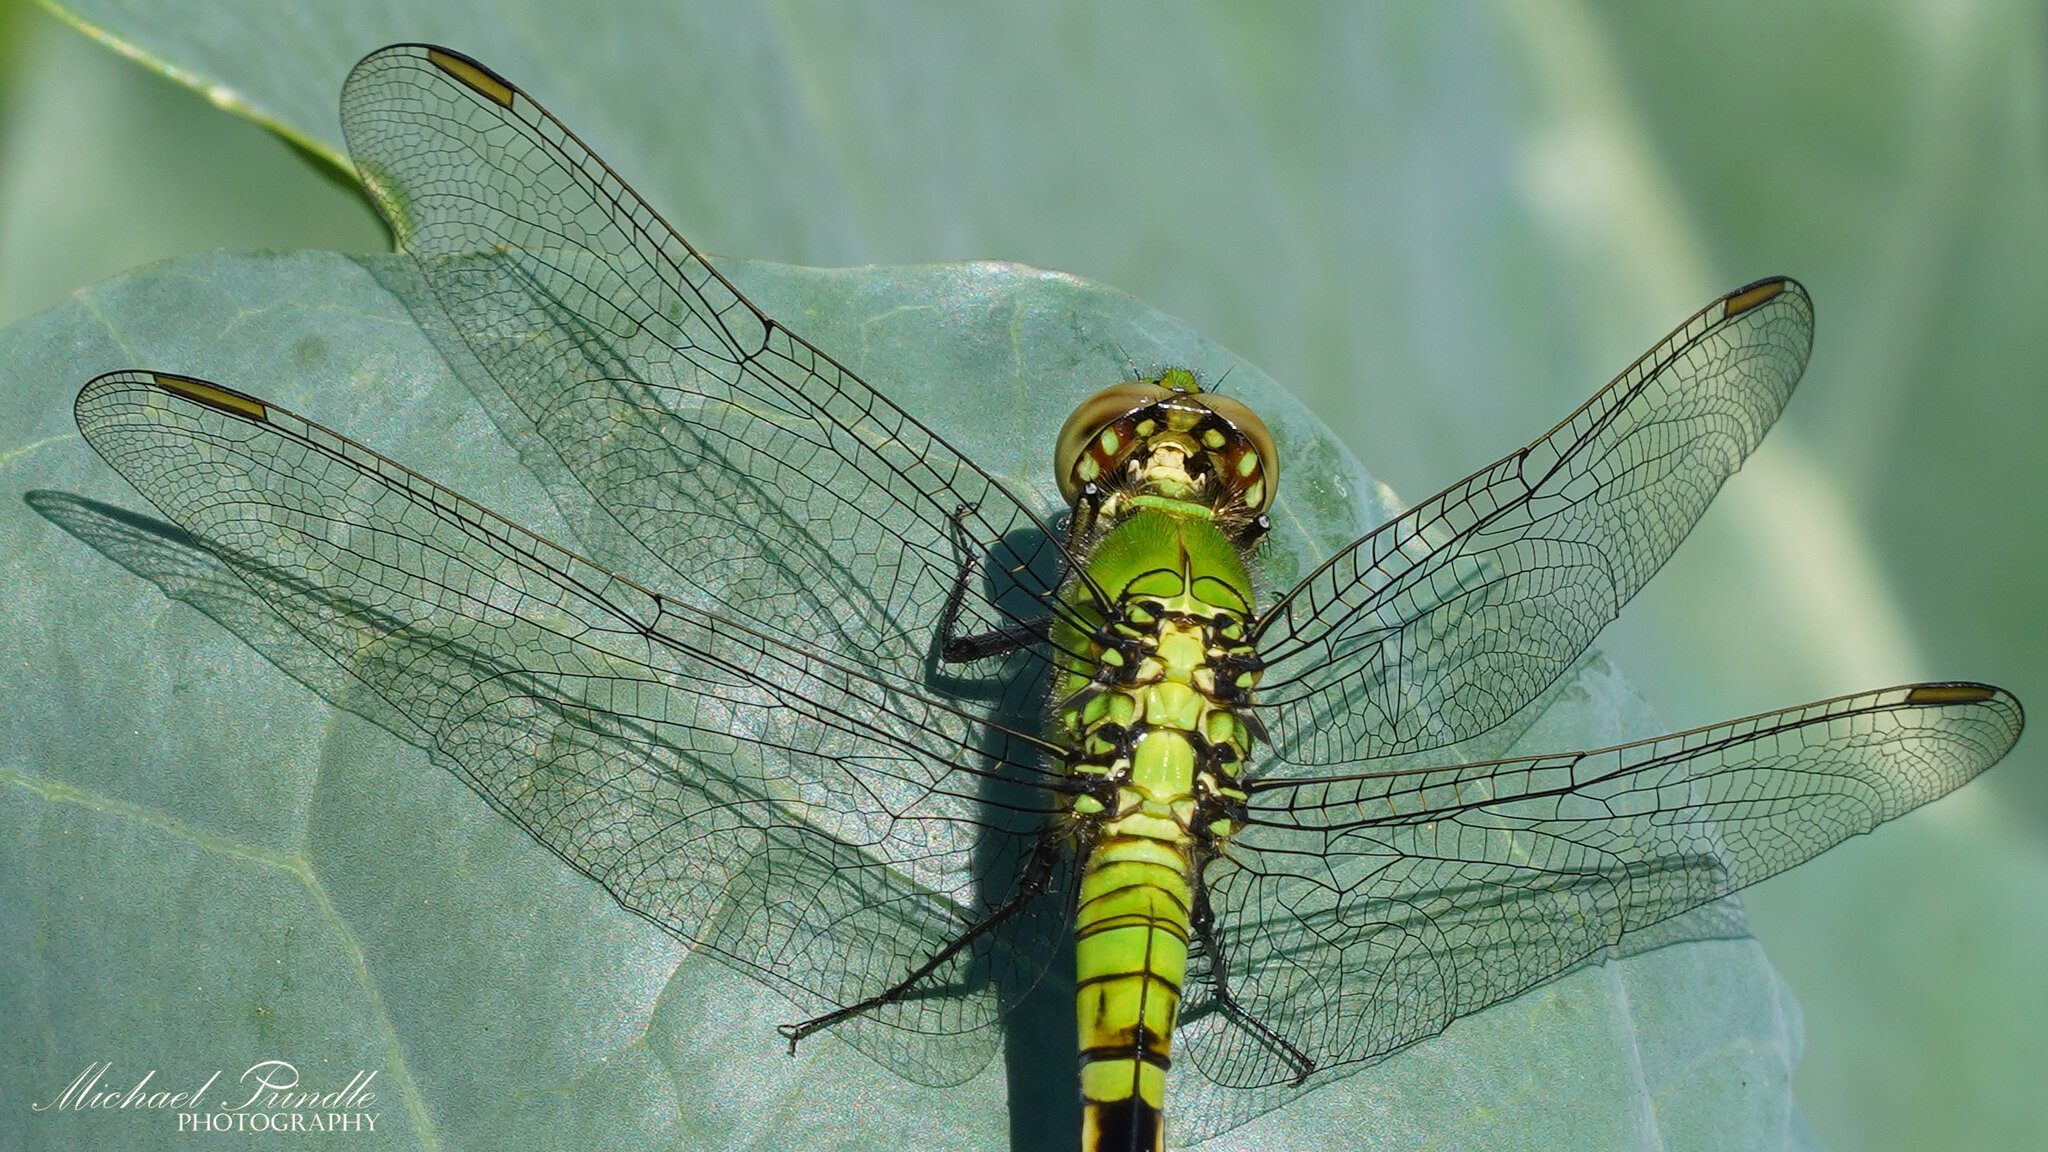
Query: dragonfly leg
[
  {"x": 1011, "y": 637},
  {"x": 1203, "y": 921},
  {"x": 1037, "y": 874}
]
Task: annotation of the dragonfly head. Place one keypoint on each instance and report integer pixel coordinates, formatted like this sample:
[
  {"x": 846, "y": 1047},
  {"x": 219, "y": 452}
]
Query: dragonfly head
[{"x": 1169, "y": 438}]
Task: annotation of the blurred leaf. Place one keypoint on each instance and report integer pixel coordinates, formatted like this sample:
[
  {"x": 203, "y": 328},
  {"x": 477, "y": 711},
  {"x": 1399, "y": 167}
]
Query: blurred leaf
[
  {"x": 104, "y": 166},
  {"x": 230, "y": 871}
]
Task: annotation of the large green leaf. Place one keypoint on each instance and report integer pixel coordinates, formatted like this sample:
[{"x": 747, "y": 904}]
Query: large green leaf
[{"x": 222, "y": 869}]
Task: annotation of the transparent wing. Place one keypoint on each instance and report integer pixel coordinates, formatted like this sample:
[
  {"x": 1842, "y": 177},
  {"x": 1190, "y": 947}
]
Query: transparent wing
[
  {"x": 1361, "y": 913},
  {"x": 821, "y": 829},
  {"x": 685, "y": 434},
  {"x": 1448, "y": 619}
]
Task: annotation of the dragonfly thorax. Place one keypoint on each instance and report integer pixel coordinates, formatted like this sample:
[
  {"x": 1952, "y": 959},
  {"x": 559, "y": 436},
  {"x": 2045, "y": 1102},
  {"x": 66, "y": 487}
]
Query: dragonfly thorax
[
  {"x": 1152, "y": 700},
  {"x": 1159, "y": 725}
]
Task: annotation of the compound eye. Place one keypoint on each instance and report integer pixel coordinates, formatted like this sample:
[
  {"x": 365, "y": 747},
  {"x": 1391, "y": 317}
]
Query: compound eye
[
  {"x": 1090, "y": 445},
  {"x": 1251, "y": 467}
]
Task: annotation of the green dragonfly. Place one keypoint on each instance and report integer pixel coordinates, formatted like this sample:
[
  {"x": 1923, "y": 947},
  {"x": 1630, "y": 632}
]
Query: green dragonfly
[{"x": 871, "y": 728}]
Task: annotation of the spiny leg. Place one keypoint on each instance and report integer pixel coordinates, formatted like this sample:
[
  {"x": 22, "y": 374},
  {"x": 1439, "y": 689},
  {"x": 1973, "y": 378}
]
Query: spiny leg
[
  {"x": 1037, "y": 874},
  {"x": 1203, "y": 921},
  {"x": 1011, "y": 637}
]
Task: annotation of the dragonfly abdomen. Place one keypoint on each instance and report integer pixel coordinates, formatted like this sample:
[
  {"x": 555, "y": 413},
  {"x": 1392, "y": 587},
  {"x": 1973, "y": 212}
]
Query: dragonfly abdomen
[{"x": 1131, "y": 952}]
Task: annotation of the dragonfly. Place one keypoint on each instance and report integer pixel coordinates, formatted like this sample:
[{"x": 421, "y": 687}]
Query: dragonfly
[{"x": 880, "y": 729}]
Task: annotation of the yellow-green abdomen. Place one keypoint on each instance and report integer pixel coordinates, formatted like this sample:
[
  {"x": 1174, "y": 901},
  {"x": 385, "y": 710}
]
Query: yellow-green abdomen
[{"x": 1131, "y": 952}]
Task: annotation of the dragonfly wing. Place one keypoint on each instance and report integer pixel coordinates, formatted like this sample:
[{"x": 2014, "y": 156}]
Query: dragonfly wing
[
  {"x": 1450, "y": 618},
  {"x": 685, "y": 433},
  {"x": 1361, "y": 913},
  {"x": 821, "y": 829}
]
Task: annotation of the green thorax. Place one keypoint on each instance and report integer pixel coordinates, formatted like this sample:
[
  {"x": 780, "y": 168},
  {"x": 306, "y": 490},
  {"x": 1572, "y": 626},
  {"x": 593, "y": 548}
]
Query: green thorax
[{"x": 1157, "y": 638}]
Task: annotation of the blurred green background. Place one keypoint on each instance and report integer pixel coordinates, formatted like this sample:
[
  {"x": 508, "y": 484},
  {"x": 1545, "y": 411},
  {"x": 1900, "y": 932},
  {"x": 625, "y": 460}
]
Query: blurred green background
[{"x": 1441, "y": 227}]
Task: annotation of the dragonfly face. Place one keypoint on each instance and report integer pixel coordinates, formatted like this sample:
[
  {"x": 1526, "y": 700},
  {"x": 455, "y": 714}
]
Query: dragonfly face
[
  {"x": 1283, "y": 822},
  {"x": 1166, "y": 439}
]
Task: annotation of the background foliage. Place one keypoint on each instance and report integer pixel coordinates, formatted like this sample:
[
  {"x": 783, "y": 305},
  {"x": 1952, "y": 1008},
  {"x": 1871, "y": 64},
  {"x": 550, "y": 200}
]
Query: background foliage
[{"x": 1441, "y": 229}]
